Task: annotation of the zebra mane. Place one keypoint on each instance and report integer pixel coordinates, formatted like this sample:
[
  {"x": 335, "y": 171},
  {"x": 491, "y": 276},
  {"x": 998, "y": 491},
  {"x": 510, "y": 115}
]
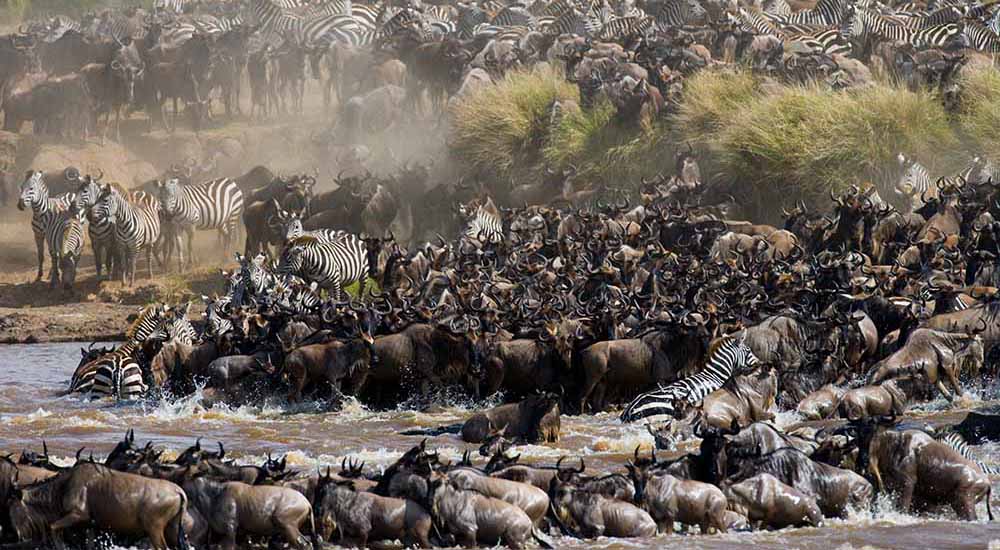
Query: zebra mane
[
  {"x": 146, "y": 313},
  {"x": 304, "y": 240}
]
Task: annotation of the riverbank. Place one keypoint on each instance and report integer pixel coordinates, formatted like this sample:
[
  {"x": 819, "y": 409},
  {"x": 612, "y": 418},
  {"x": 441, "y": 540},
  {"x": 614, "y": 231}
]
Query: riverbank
[{"x": 79, "y": 322}]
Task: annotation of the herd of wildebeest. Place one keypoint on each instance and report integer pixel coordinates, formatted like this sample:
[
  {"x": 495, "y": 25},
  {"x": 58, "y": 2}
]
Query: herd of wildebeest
[{"x": 562, "y": 296}]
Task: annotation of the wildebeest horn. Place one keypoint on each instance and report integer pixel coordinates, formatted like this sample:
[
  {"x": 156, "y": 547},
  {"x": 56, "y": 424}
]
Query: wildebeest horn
[{"x": 222, "y": 450}]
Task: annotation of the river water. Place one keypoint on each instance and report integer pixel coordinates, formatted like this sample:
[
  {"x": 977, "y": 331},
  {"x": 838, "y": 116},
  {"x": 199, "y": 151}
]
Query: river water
[{"x": 31, "y": 377}]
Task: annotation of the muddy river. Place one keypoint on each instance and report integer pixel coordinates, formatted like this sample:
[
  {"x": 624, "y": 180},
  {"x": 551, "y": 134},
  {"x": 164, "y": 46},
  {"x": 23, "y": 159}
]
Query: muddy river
[{"x": 31, "y": 376}]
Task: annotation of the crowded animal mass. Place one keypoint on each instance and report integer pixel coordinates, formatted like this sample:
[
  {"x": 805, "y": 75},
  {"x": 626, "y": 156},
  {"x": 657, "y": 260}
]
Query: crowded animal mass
[{"x": 387, "y": 339}]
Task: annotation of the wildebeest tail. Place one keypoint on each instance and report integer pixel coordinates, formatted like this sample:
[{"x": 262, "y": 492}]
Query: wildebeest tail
[
  {"x": 182, "y": 543},
  {"x": 989, "y": 497},
  {"x": 317, "y": 542},
  {"x": 434, "y": 432},
  {"x": 562, "y": 526},
  {"x": 543, "y": 540}
]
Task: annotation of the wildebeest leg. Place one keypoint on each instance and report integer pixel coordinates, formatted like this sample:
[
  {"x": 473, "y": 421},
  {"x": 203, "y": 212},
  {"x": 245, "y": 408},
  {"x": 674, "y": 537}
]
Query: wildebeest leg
[
  {"x": 965, "y": 507},
  {"x": 944, "y": 391},
  {"x": 292, "y": 534},
  {"x": 73, "y": 517},
  {"x": 905, "y": 498},
  {"x": 950, "y": 372},
  {"x": 40, "y": 248}
]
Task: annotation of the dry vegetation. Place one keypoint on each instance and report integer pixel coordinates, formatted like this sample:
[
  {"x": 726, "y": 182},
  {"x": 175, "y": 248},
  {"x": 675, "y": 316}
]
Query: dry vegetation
[{"x": 780, "y": 142}]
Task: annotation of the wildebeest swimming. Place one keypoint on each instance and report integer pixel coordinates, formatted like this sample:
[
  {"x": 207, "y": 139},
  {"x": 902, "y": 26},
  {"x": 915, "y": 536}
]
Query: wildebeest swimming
[{"x": 202, "y": 498}]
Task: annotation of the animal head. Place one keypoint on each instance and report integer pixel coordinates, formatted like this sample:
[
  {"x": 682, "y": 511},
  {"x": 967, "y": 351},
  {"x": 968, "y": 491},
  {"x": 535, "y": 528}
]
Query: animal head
[{"x": 33, "y": 190}]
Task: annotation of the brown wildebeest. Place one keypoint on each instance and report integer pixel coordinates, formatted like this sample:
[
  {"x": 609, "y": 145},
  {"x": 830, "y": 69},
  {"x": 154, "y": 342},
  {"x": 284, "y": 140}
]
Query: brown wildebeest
[
  {"x": 835, "y": 489},
  {"x": 669, "y": 499},
  {"x": 889, "y": 398},
  {"x": 821, "y": 403},
  {"x": 765, "y": 499},
  {"x": 123, "y": 503},
  {"x": 359, "y": 516},
  {"x": 475, "y": 519},
  {"x": 935, "y": 355},
  {"x": 330, "y": 364},
  {"x": 532, "y": 500},
  {"x": 534, "y": 419},
  {"x": 589, "y": 515},
  {"x": 233, "y": 508},
  {"x": 920, "y": 470},
  {"x": 750, "y": 404}
]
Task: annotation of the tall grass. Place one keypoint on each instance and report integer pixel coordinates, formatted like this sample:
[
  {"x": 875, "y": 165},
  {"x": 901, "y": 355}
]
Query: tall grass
[
  {"x": 979, "y": 113},
  {"x": 804, "y": 141},
  {"x": 777, "y": 143},
  {"x": 502, "y": 128}
]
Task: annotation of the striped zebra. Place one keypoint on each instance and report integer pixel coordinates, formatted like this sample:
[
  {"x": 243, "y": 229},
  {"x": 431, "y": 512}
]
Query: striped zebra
[
  {"x": 118, "y": 374},
  {"x": 914, "y": 182},
  {"x": 961, "y": 446},
  {"x": 65, "y": 240},
  {"x": 731, "y": 357},
  {"x": 623, "y": 27},
  {"x": 867, "y": 24},
  {"x": 248, "y": 283},
  {"x": 216, "y": 204},
  {"x": 137, "y": 228},
  {"x": 981, "y": 38},
  {"x": 828, "y": 41},
  {"x": 171, "y": 6},
  {"x": 293, "y": 230},
  {"x": 293, "y": 294},
  {"x": 44, "y": 210},
  {"x": 276, "y": 16},
  {"x": 329, "y": 265},
  {"x": 217, "y": 324},
  {"x": 176, "y": 327},
  {"x": 485, "y": 226},
  {"x": 102, "y": 234}
]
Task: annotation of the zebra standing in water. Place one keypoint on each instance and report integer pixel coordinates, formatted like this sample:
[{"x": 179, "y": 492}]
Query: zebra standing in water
[
  {"x": 731, "y": 357},
  {"x": 960, "y": 445},
  {"x": 44, "y": 210},
  {"x": 329, "y": 265},
  {"x": 485, "y": 226},
  {"x": 118, "y": 374},
  {"x": 217, "y": 204},
  {"x": 176, "y": 327},
  {"x": 65, "y": 241},
  {"x": 137, "y": 227}
]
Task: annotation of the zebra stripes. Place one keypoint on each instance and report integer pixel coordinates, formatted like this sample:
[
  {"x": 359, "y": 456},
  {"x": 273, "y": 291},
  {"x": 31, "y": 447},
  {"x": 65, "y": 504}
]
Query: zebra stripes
[
  {"x": 915, "y": 181},
  {"x": 485, "y": 225},
  {"x": 65, "y": 241},
  {"x": 216, "y": 323},
  {"x": 136, "y": 228},
  {"x": 293, "y": 230},
  {"x": 961, "y": 446},
  {"x": 732, "y": 356},
  {"x": 329, "y": 265},
  {"x": 44, "y": 210},
  {"x": 117, "y": 374},
  {"x": 867, "y": 24},
  {"x": 216, "y": 204}
]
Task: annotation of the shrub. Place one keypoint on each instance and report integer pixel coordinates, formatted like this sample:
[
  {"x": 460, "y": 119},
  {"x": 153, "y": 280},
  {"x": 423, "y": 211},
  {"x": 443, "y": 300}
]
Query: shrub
[
  {"x": 501, "y": 128},
  {"x": 979, "y": 113}
]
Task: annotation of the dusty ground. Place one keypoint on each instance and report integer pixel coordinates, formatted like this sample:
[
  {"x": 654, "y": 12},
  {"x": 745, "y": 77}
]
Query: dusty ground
[{"x": 93, "y": 310}]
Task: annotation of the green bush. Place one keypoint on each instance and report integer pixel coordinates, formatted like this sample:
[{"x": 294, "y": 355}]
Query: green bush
[
  {"x": 979, "y": 114},
  {"x": 502, "y": 128},
  {"x": 710, "y": 100},
  {"x": 803, "y": 141}
]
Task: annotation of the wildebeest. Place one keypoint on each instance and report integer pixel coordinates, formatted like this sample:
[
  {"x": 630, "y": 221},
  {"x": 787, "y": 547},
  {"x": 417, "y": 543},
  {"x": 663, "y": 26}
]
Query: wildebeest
[
  {"x": 834, "y": 489},
  {"x": 475, "y": 519},
  {"x": 123, "y": 503},
  {"x": 234, "y": 507},
  {"x": 919, "y": 470},
  {"x": 770, "y": 502},
  {"x": 360, "y": 516},
  {"x": 934, "y": 355},
  {"x": 669, "y": 499},
  {"x": 589, "y": 515},
  {"x": 534, "y": 419},
  {"x": 527, "y": 497}
]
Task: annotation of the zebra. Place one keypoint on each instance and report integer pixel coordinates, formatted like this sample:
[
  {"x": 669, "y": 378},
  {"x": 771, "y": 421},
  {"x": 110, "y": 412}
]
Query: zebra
[
  {"x": 137, "y": 227},
  {"x": 275, "y": 16},
  {"x": 828, "y": 41},
  {"x": 870, "y": 24},
  {"x": 622, "y": 27},
  {"x": 982, "y": 38},
  {"x": 102, "y": 234},
  {"x": 176, "y": 327},
  {"x": 118, "y": 374},
  {"x": 485, "y": 226},
  {"x": 44, "y": 210},
  {"x": 65, "y": 240},
  {"x": 329, "y": 265},
  {"x": 915, "y": 180},
  {"x": 731, "y": 357},
  {"x": 216, "y": 204},
  {"x": 252, "y": 277},
  {"x": 294, "y": 294},
  {"x": 293, "y": 230},
  {"x": 961, "y": 446},
  {"x": 216, "y": 323}
]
